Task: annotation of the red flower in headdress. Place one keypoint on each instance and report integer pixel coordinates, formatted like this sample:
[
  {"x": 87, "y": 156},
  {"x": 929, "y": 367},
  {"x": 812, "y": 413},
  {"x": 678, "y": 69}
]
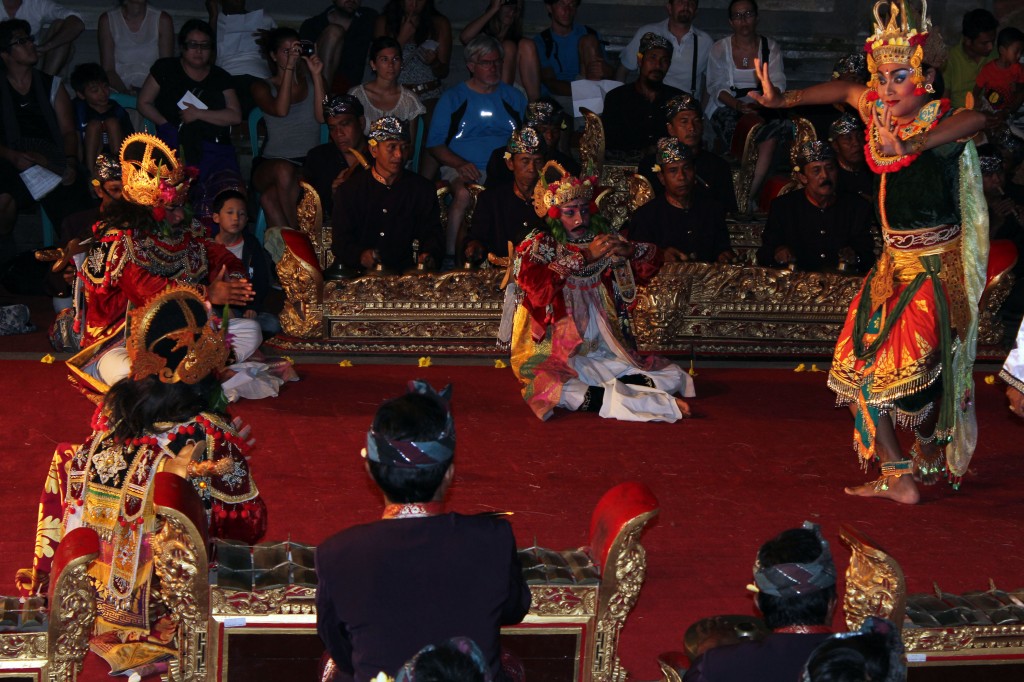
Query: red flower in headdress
[
  {"x": 554, "y": 212},
  {"x": 159, "y": 213}
]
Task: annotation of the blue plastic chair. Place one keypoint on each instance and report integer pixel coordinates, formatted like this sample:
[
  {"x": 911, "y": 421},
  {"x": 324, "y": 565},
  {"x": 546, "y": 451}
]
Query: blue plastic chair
[
  {"x": 49, "y": 234},
  {"x": 255, "y": 116},
  {"x": 132, "y": 102}
]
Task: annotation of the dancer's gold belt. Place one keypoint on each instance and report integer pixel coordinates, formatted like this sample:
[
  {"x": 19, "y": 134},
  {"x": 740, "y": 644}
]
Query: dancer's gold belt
[{"x": 905, "y": 248}]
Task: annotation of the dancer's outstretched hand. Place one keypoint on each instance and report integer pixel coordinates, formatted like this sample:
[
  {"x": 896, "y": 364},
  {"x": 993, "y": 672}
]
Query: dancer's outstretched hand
[
  {"x": 888, "y": 139},
  {"x": 772, "y": 97}
]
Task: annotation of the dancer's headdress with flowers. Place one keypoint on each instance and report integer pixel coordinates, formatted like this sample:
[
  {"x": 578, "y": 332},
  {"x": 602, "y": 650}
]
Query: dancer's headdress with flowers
[
  {"x": 152, "y": 175},
  {"x": 897, "y": 42},
  {"x": 556, "y": 187}
]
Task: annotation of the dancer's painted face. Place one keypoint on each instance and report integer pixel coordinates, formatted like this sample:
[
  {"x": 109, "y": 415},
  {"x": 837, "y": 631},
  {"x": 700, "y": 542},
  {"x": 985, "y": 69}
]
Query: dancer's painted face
[
  {"x": 896, "y": 90},
  {"x": 575, "y": 217}
]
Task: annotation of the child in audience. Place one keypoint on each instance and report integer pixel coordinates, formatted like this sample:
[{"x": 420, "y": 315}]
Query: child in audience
[
  {"x": 102, "y": 123},
  {"x": 231, "y": 214},
  {"x": 1000, "y": 83}
]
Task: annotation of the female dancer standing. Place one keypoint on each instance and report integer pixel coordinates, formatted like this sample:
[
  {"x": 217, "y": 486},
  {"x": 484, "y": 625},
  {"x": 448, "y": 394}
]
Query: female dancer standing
[{"x": 906, "y": 352}]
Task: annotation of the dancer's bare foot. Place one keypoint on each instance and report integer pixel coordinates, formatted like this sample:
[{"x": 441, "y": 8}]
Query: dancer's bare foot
[
  {"x": 897, "y": 488},
  {"x": 684, "y": 408}
]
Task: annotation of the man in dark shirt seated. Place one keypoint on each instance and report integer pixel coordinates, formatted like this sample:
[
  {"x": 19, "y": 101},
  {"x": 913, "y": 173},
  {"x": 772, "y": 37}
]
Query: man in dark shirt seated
[
  {"x": 633, "y": 113},
  {"x": 846, "y": 134},
  {"x": 388, "y": 216},
  {"x": 419, "y": 575},
  {"x": 795, "y": 580},
  {"x": 330, "y": 164},
  {"x": 818, "y": 229},
  {"x": 684, "y": 120},
  {"x": 505, "y": 214},
  {"x": 548, "y": 120},
  {"x": 684, "y": 223}
]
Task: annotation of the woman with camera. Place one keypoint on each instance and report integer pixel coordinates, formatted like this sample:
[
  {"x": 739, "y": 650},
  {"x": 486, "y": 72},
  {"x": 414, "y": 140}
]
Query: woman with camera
[{"x": 290, "y": 100}]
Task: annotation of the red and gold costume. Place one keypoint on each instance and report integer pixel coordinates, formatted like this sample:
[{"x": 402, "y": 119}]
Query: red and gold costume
[{"x": 908, "y": 344}]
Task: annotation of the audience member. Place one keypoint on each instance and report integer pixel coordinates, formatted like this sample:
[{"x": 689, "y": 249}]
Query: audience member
[
  {"x": 566, "y": 316},
  {"x": 796, "y": 593},
  {"x": 731, "y": 76},
  {"x": 238, "y": 48},
  {"x": 1000, "y": 82},
  {"x": 457, "y": 660},
  {"x": 503, "y": 20},
  {"x": 685, "y": 123},
  {"x": 872, "y": 654},
  {"x": 384, "y": 95},
  {"x": 102, "y": 123},
  {"x": 691, "y": 47},
  {"x": 818, "y": 228},
  {"x": 548, "y": 120},
  {"x": 685, "y": 224},
  {"x": 846, "y": 135},
  {"x": 131, "y": 37},
  {"x": 38, "y": 130},
  {"x": 199, "y": 127},
  {"x": 975, "y": 49},
  {"x": 342, "y": 34},
  {"x": 568, "y": 51},
  {"x": 424, "y": 575},
  {"x": 231, "y": 216},
  {"x": 426, "y": 39},
  {"x": 62, "y": 27},
  {"x": 1012, "y": 372},
  {"x": 634, "y": 116},
  {"x": 505, "y": 212},
  {"x": 330, "y": 164},
  {"x": 471, "y": 120},
  {"x": 387, "y": 217},
  {"x": 291, "y": 101},
  {"x": 1006, "y": 221}
]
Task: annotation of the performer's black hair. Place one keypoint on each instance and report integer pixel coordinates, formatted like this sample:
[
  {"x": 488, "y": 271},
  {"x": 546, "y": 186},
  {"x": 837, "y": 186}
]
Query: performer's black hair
[
  {"x": 854, "y": 659},
  {"x": 797, "y": 545},
  {"x": 135, "y": 407},
  {"x": 446, "y": 664},
  {"x": 976, "y": 22}
]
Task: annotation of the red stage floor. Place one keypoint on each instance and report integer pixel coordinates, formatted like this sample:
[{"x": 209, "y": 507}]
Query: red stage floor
[{"x": 771, "y": 452}]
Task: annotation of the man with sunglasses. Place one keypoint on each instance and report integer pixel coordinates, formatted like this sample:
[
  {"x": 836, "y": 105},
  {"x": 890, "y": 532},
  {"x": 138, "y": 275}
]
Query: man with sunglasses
[
  {"x": 37, "y": 131},
  {"x": 63, "y": 26}
]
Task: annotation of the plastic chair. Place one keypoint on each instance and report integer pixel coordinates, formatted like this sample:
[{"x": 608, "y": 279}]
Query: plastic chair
[
  {"x": 255, "y": 116},
  {"x": 49, "y": 234},
  {"x": 132, "y": 102}
]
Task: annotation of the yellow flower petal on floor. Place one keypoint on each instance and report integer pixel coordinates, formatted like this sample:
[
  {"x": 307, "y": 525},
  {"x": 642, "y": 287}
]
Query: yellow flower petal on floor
[
  {"x": 47, "y": 359},
  {"x": 814, "y": 368},
  {"x": 345, "y": 363},
  {"x": 289, "y": 359},
  {"x": 500, "y": 364},
  {"x": 692, "y": 372},
  {"x": 425, "y": 362},
  {"x": 990, "y": 379},
  {"x": 800, "y": 368}
]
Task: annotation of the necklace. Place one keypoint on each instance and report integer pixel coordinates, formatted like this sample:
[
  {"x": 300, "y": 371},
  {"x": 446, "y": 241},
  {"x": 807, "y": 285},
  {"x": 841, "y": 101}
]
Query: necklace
[
  {"x": 927, "y": 118},
  {"x": 803, "y": 629},
  {"x": 746, "y": 62},
  {"x": 412, "y": 510}
]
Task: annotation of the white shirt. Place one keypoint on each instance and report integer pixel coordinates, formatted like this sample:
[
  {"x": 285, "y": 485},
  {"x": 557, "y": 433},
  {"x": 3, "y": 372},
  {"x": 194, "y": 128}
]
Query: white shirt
[
  {"x": 237, "y": 50},
  {"x": 41, "y": 13},
  {"x": 680, "y": 72},
  {"x": 1013, "y": 369},
  {"x": 725, "y": 76}
]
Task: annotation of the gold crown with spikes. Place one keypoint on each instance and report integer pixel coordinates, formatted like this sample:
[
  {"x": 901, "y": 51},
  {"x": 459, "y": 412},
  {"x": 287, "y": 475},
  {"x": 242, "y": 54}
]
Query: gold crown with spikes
[
  {"x": 171, "y": 338},
  {"x": 895, "y": 41},
  {"x": 556, "y": 187},
  {"x": 150, "y": 172}
]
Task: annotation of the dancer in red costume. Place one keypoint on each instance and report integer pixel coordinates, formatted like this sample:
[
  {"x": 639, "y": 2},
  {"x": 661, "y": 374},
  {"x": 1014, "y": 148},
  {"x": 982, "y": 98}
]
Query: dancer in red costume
[{"x": 906, "y": 352}]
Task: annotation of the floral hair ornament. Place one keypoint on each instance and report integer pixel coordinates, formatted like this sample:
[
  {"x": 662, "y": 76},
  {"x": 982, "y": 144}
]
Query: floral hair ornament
[
  {"x": 388, "y": 128},
  {"x": 670, "y": 150},
  {"x": 896, "y": 42},
  {"x": 410, "y": 454},
  {"x": 555, "y": 188},
  {"x": 151, "y": 174},
  {"x": 844, "y": 125},
  {"x": 526, "y": 141},
  {"x": 652, "y": 41},
  {"x": 172, "y": 338}
]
